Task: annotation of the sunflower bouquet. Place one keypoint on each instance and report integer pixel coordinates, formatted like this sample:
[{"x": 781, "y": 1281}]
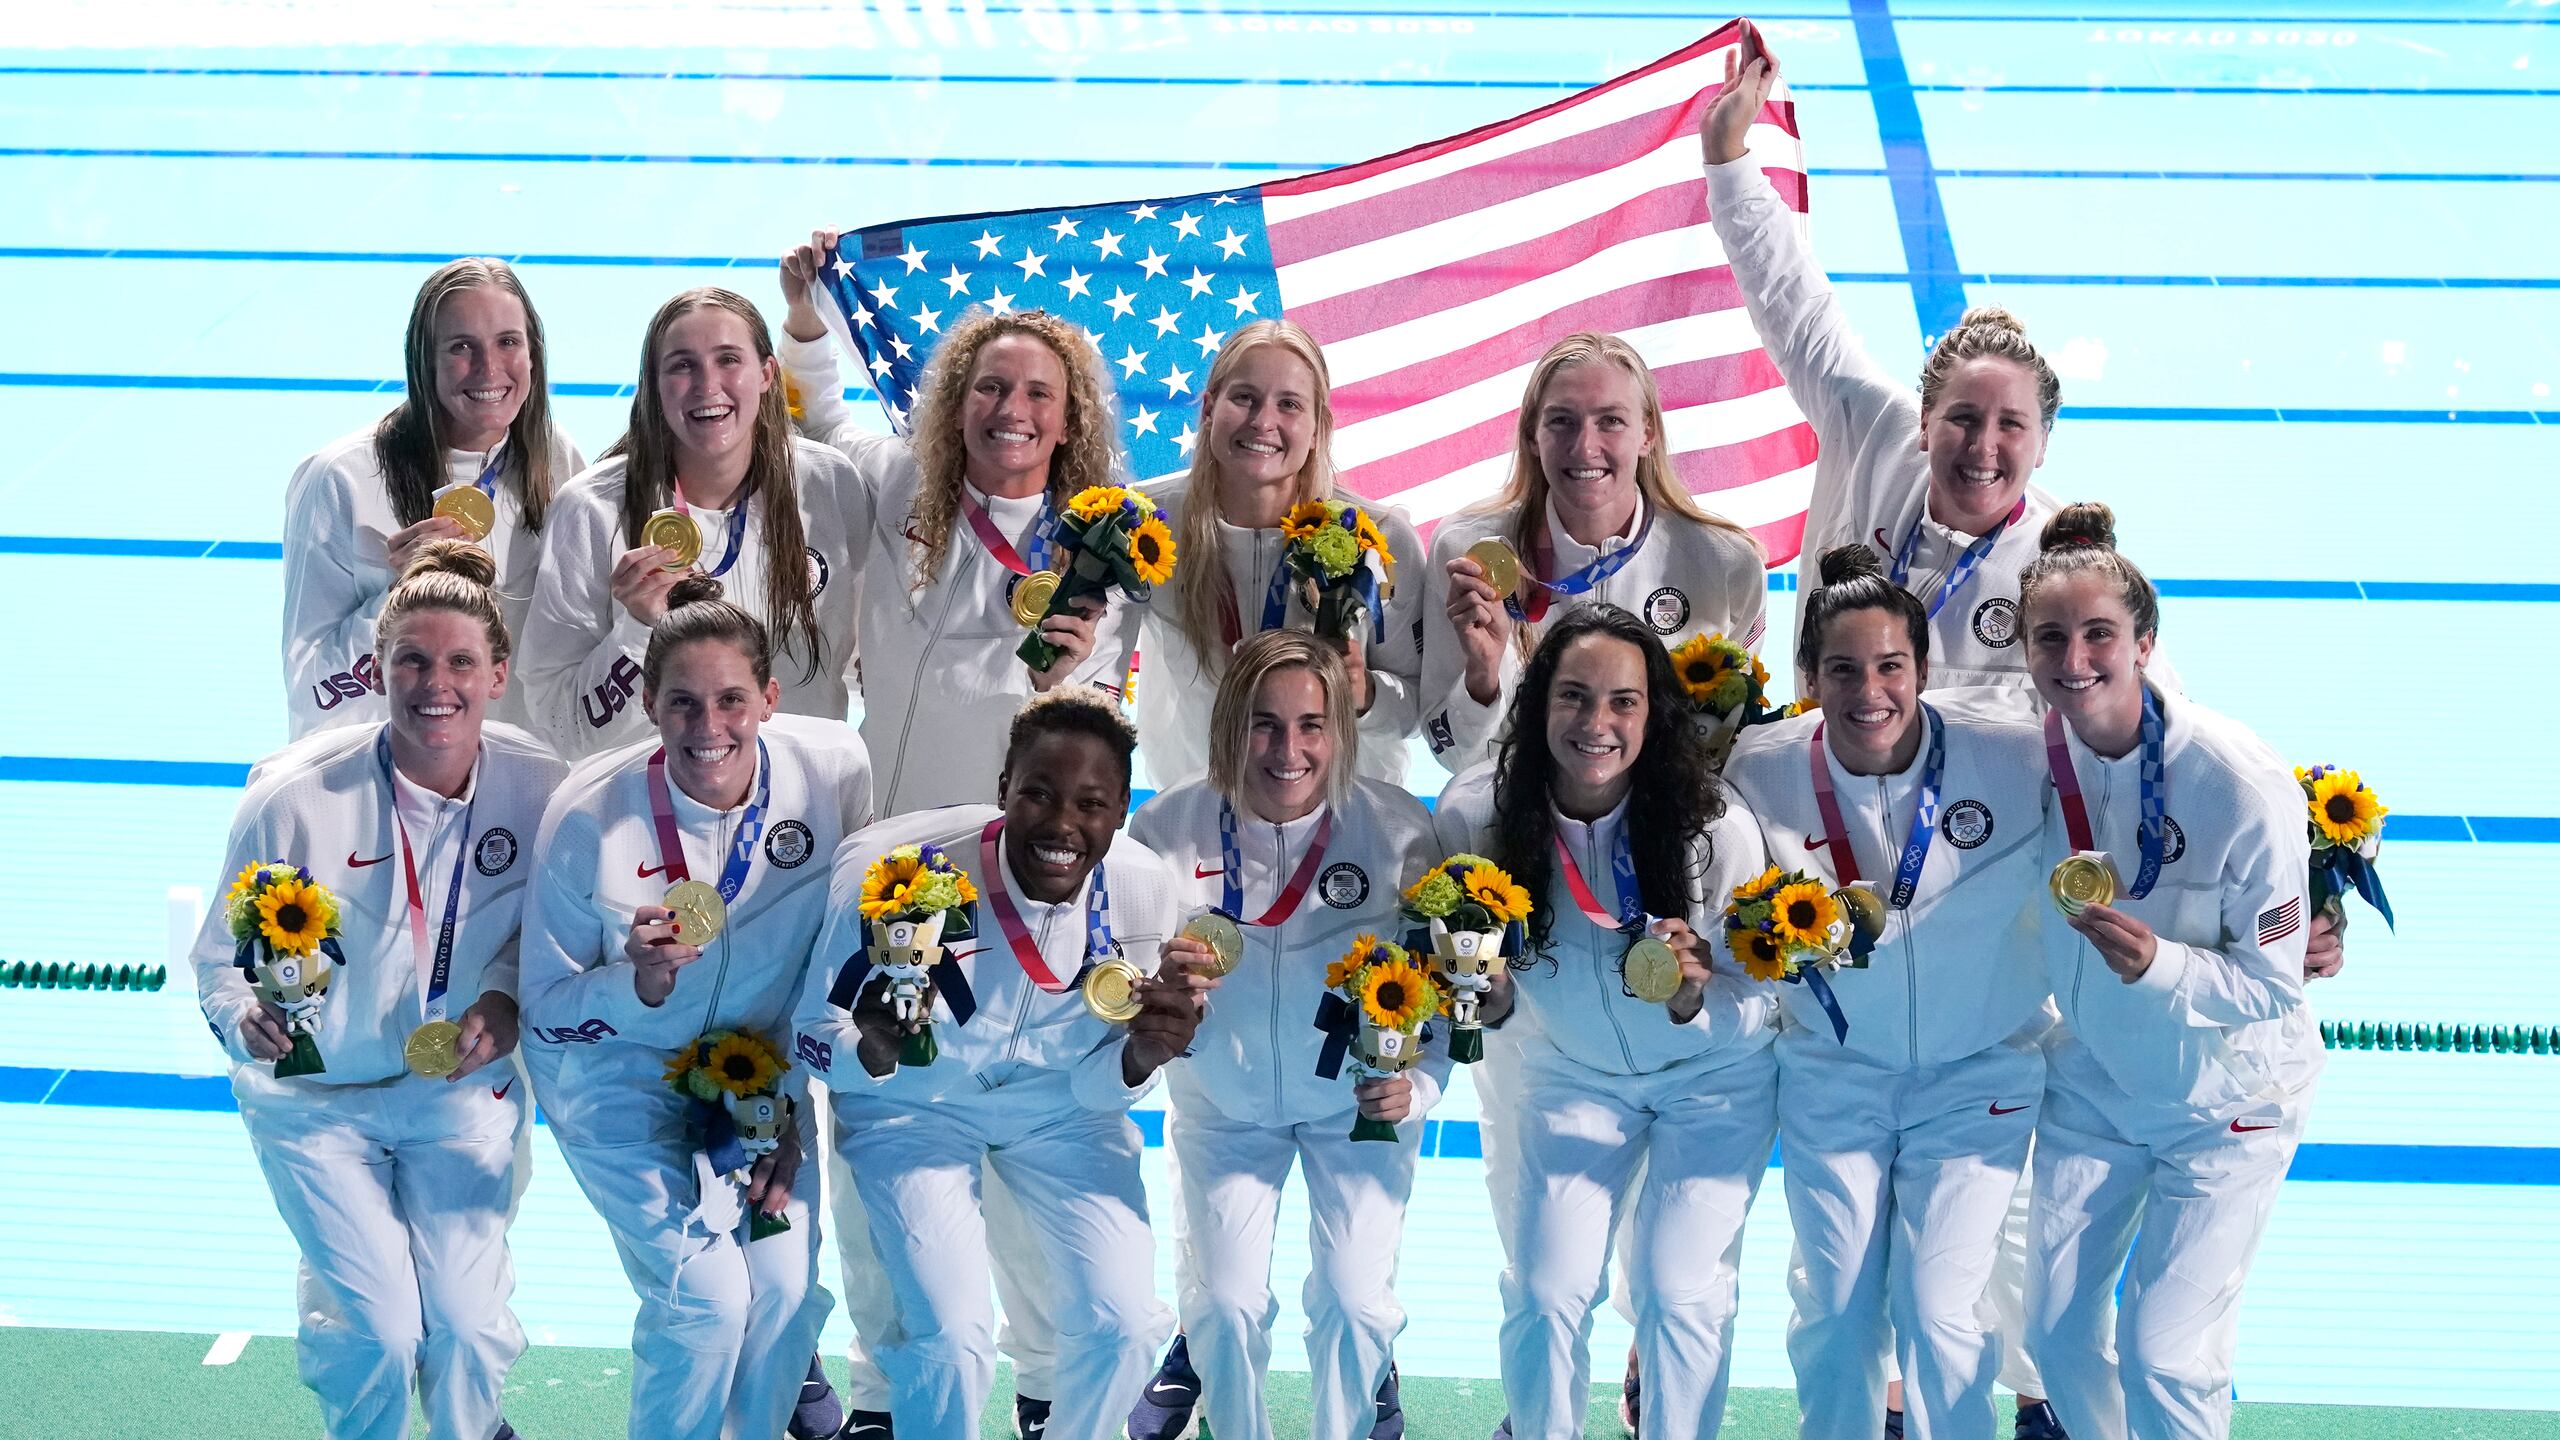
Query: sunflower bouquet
[
  {"x": 1785, "y": 925},
  {"x": 1343, "y": 566},
  {"x": 1379, "y": 1003},
  {"x": 285, "y": 925},
  {"x": 913, "y": 899},
  {"x": 1113, "y": 538},
  {"x": 1473, "y": 912},
  {"x": 2346, "y": 838},
  {"x": 1727, "y": 685},
  {"x": 731, "y": 1081}
]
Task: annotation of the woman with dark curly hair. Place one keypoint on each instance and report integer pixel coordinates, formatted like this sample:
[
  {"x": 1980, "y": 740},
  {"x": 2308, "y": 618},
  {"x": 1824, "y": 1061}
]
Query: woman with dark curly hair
[{"x": 1601, "y": 803}]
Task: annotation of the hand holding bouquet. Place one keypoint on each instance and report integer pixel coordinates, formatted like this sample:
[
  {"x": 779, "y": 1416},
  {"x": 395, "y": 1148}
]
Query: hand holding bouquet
[{"x": 1112, "y": 538}]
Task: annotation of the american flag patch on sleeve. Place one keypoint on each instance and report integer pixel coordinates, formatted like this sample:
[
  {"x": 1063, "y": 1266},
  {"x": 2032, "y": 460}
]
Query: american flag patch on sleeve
[{"x": 2274, "y": 925}]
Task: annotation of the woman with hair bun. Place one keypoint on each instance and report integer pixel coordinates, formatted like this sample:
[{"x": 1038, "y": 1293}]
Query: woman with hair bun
[
  {"x": 757, "y": 508},
  {"x": 476, "y": 417},
  {"x": 729, "y": 796},
  {"x": 2182, "y": 1072},
  {"x": 1906, "y": 1099},
  {"x": 396, "y": 1168}
]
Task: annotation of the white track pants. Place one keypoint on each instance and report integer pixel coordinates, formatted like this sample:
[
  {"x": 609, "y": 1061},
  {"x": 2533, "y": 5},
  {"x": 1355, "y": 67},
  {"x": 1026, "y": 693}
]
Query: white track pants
[
  {"x": 2004, "y": 1305},
  {"x": 726, "y": 1326},
  {"x": 1231, "y": 1175},
  {"x": 1579, "y": 1139},
  {"x": 1898, "y": 1181},
  {"x": 2187, "y": 1200},
  {"x": 1074, "y": 1174},
  {"x": 398, "y": 1194}
]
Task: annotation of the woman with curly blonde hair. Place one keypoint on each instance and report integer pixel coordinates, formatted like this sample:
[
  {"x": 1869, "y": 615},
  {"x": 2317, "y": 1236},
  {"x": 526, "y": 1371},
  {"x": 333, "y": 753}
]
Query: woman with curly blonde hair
[
  {"x": 1014, "y": 417},
  {"x": 1265, "y": 448}
]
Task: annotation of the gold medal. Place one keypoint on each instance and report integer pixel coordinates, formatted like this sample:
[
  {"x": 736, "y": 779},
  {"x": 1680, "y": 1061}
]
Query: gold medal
[
  {"x": 1031, "y": 596},
  {"x": 700, "y": 912},
  {"x": 465, "y": 506},
  {"x": 2081, "y": 881},
  {"x": 674, "y": 532},
  {"x": 1653, "y": 971},
  {"x": 1111, "y": 990},
  {"x": 1500, "y": 564},
  {"x": 1224, "y": 939},
  {"x": 1865, "y": 910},
  {"x": 435, "y": 1048}
]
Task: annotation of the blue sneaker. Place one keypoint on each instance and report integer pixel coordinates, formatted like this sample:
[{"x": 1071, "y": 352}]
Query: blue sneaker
[
  {"x": 819, "y": 1415},
  {"x": 1030, "y": 1418},
  {"x": 1502, "y": 1429},
  {"x": 1390, "y": 1424},
  {"x": 1168, "y": 1409},
  {"x": 2038, "y": 1422},
  {"x": 1631, "y": 1397},
  {"x": 1893, "y": 1425},
  {"x": 866, "y": 1425},
  {"x": 505, "y": 1431}
]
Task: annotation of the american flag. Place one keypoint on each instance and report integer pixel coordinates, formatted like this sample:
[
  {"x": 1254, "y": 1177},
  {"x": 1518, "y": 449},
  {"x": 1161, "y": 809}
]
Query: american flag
[{"x": 1433, "y": 277}]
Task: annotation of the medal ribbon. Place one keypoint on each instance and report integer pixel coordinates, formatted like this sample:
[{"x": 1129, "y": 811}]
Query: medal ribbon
[
  {"x": 1924, "y": 819},
  {"x": 1231, "y": 901},
  {"x": 1631, "y": 919},
  {"x": 1026, "y": 951},
  {"x": 742, "y": 849},
  {"x": 1580, "y": 582},
  {"x": 1275, "y": 604},
  {"x": 2154, "y": 834},
  {"x": 488, "y": 481},
  {"x": 439, "y": 966},
  {"x": 1965, "y": 563},
  {"x": 1001, "y": 548},
  {"x": 737, "y": 529}
]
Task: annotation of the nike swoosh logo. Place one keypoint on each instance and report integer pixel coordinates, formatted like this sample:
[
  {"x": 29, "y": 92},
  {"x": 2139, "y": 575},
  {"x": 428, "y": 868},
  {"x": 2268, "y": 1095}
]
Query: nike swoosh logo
[
  {"x": 651, "y": 872},
  {"x": 2012, "y": 1110},
  {"x": 858, "y": 1431},
  {"x": 1202, "y": 872},
  {"x": 1177, "y": 1391},
  {"x": 2239, "y": 1129},
  {"x": 355, "y": 864},
  {"x": 501, "y": 1092},
  {"x": 1814, "y": 843}
]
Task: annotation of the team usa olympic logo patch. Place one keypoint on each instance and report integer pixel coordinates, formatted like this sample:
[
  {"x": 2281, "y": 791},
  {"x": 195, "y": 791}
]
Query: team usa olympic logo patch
[
  {"x": 1344, "y": 886},
  {"x": 788, "y": 844},
  {"x": 1666, "y": 610},
  {"x": 496, "y": 852},
  {"x": 1995, "y": 622},
  {"x": 2177, "y": 845},
  {"x": 1966, "y": 824},
  {"x": 817, "y": 572}
]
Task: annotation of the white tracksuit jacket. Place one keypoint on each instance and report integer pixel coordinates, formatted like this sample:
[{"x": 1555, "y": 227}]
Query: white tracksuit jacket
[
  {"x": 1028, "y": 1087},
  {"x": 377, "y": 1323},
  {"x": 1178, "y": 692},
  {"x": 1617, "y": 1108},
  {"x": 725, "y": 1328},
  {"x": 1689, "y": 579},
  {"x": 1908, "y": 1138},
  {"x": 940, "y": 680},
  {"x": 2175, "y": 1102},
  {"x": 578, "y": 657},
  {"x": 337, "y": 572},
  {"x": 1248, "y": 1104}
]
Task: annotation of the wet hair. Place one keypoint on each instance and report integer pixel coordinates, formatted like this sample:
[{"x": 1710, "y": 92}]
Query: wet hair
[
  {"x": 450, "y": 575},
  {"x": 2081, "y": 539},
  {"x": 409, "y": 443},
  {"x": 1854, "y": 579},
  {"x": 1231, "y": 718},
  {"x": 1073, "y": 710},
  {"x": 649, "y": 471},
  {"x": 697, "y": 611},
  {"x": 1989, "y": 330},
  {"x": 1676, "y": 795},
  {"x": 1201, "y": 582},
  {"x": 1088, "y": 454}
]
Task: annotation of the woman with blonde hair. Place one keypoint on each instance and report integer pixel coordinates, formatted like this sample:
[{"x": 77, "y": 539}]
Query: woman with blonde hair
[
  {"x": 710, "y": 449},
  {"x": 476, "y": 417},
  {"x": 1592, "y": 513},
  {"x": 1266, "y": 447}
]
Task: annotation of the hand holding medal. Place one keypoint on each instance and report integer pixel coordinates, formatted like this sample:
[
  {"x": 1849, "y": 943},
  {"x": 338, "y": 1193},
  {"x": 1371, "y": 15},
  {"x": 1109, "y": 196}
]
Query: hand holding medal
[{"x": 655, "y": 953}]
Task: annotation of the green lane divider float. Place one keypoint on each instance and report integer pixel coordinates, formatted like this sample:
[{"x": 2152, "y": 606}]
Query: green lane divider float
[
  {"x": 26, "y": 975},
  {"x": 2459, "y": 1039}
]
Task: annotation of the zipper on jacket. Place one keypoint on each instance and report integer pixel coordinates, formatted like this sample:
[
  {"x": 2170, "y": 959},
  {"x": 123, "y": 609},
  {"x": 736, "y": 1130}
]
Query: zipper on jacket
[
  {"x": 1600, "y": 974},
  {"x": 1279, "y": 947},
  {"x": 955, "y": 556}
]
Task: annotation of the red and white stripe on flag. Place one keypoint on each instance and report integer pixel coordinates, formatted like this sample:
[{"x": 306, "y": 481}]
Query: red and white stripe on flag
[{"x": 1436, "y": 276}]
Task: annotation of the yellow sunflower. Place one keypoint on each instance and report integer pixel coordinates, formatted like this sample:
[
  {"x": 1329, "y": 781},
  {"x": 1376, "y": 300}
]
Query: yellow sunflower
[
  {"x": 1396, "y": 996},
  {"x": 2343, "y": 810},
  {"x": 888, "y": 887},
  {"x": 1760, "y": 884},
  {"x": 744, "y": 1065},
  {"x": 1095, "y": 501},
  {"x": 1805, "y": 913},
  {"x": 1338, "y": 974},
  {"x": 791, "y": 397},
  {"x": 1151, "y": 551},
  {"x": 294, "y": 916},
  {"x": 1490, "y": 887},
  {"x": 1761, "y": 957},
  {"x": 1371, "y": 539},
  {"x": 684, "y": 1060},
  {"x": 1304, "y": 519},
  {"x": 246, "y": 880}
]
